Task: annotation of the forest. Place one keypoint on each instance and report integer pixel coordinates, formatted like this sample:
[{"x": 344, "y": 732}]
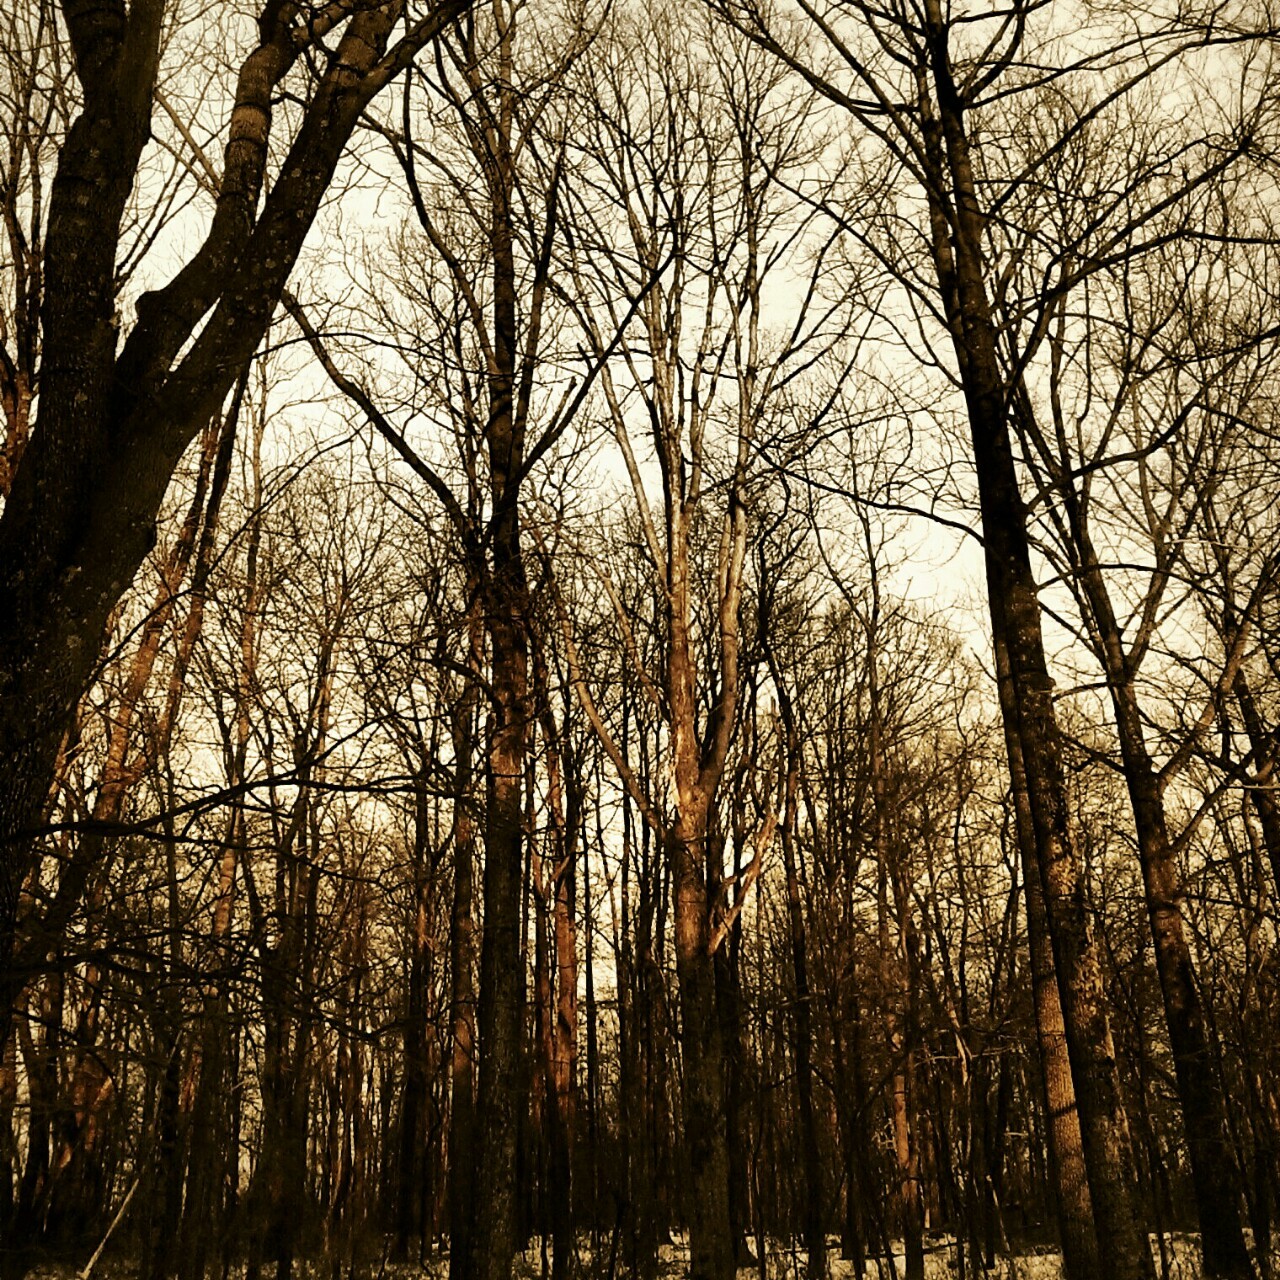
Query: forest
[{"x": 639, "y": 639}]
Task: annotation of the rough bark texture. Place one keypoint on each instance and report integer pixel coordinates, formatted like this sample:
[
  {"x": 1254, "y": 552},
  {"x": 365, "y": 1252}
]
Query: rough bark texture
[
  {"x": 697, "y": 770},
  {"x": 1015, "y": 610},
  {"x": 501, "y": 957},
  {"x": 1104, "y": 1126},
  {"x": 1080, "y": 1249},
  {"x": 710, "y": 1240},
  {"x": 815, "y": 1237},
  {"x": 504, "y": 591},
  {"x": 462, "y": 1012}
]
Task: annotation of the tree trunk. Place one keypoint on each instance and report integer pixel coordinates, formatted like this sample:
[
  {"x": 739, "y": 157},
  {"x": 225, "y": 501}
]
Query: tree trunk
[
  {"x": 501, "y": 958},
  {"x": 1263, "y": 792},
  {"x": 564, "y": 1048},
  {"x": 1215, "y": 1174},
  {"x": 815, "y": 1240},
  {"x": 898, "y": 971},
  {"x": 557, "y": 891},
  {"x": 728, "y": 962},
  {"x": 593, "y": 1037},
  {"x": 462, "y": 1015},
  {"x": 1015, "y": 612},
  {"x": 411, "y": 1219},
  {"x": 710, "y": 1240},
  {"x": 113, "y": 424},
  {"x": 1068, "y": 1174}
]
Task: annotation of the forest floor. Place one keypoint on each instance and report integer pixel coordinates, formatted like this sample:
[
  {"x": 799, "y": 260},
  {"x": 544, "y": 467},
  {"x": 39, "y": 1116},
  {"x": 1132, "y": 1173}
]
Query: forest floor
[{"x": 1178, "y": 1260}]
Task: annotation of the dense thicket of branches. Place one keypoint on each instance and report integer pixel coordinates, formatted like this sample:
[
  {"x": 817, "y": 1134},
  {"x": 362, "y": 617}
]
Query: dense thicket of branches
[{"x": 711, "y": 668}]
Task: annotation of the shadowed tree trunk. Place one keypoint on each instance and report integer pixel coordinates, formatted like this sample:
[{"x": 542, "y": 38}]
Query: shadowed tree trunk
[
  {"x": 957, "y": 228},
  {"x": 412, "y": 1223},
  {"x": 923, "y": 86},
  {"x": 814, "y": 1227},
  {"x": 729, "y": 1003},
  {"x": 1068, "y": 1175},
  {"x": 463, "y": 1147},
  {"x": 1215, "y": 1174}
]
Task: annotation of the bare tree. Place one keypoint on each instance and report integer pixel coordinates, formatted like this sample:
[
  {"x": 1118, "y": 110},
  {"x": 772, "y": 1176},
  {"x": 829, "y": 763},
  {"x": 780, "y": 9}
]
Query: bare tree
[
  {"x": 113, "y": 419},
  {"x": 921, "y": 85},
  {"x": 689, "y": 154}
]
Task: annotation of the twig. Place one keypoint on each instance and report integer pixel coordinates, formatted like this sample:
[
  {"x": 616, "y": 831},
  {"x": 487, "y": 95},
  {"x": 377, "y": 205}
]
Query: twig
[{"x": 115, "y": 1222}]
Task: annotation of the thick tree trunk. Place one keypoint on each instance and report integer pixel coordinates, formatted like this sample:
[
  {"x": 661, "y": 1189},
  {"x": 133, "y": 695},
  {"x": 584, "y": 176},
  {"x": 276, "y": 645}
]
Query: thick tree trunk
[
  {"x": 1068, "y": 1174},
  {"x": 1214, "y": 1172},
  {"x": 504, "y": 590},
  {"x": 501, "y": 1006},
  {"x": 51, "y": 618},
  {"x": 697, "y": 767},
  {"x": 710, "y": 1240},
  {"x": 80, "y": 515},
  {"x": 1015, "y": 611},
  {"x": 501, "y": 957}
]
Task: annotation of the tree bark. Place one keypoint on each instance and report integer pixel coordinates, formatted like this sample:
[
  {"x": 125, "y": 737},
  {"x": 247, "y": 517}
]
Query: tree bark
[
  {"x": 815, "y": 1239},
  {"x": 1068, "y": 1173},
  {"x": 504, "y": 591},
  {"x": 411, "y": 1223},
  {"x": 1015, "y": 612},
  {"x": 1263, "y": 792},
  {"x": 710, "y": 1240},
  {"x": 463, "y": 1149}
]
